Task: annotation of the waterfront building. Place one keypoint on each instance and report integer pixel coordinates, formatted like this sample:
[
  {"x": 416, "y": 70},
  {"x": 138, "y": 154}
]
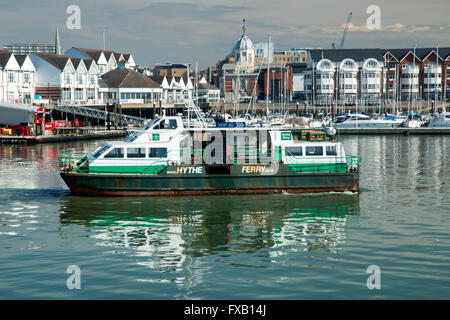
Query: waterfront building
[
  {"x": 25, "y": 79},
  {"x": 420, "y": 73},
  {"x": 207, "y": 93},
  {"x": 17, "y": 77},
  {"x": 106, "y": 60},
  {"x": 175, "y": 90},
  {"x": 129, "y": 87},
  {"x": 65, "y": 79},
  {"x": 367, "y": 76},
  {"x": 344, "y": 76}
]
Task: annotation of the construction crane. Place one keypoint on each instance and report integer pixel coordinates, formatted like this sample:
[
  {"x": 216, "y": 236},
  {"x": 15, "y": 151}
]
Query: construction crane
[{"x": 345, "y": 33}]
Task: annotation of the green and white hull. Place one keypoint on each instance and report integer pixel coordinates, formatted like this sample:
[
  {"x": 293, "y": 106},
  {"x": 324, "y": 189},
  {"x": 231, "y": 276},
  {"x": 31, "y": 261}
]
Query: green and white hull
[{"x": 193, "y": 180}]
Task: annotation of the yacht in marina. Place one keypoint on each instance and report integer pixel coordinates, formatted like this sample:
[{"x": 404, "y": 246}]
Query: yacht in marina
[
  {"x": 442, "y": 121},
  {"x": 364, "y": 121}
]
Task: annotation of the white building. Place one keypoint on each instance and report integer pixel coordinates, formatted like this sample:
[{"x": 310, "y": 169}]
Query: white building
[
  {"x": 64, "y": 79},
  {"x": 175, "y": 90},
  {"x": 324, "y": 85},
  {"x": 17, "y": 76},
  {"x": 344, "y": 76},
  {"x": 347, "y": 81},
  {"x": 106, "y": 60},
  {"x": 371, "y": 81},
  {"x": 207, "y": 93},
  {"x": 26, "y": 79},
  {"x": 126, "y": 86}
]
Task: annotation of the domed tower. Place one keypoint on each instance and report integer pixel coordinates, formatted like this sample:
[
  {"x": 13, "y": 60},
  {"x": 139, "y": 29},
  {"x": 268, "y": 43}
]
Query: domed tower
[{"x": 244, "y": 53}]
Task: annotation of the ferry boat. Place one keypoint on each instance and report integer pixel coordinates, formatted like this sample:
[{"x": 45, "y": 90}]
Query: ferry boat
[{"x": 167, "y": 158}]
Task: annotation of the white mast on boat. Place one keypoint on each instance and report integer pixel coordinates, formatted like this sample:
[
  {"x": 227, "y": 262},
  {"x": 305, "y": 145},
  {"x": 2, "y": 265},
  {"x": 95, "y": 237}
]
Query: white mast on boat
[
  {"x": 436, "y": 81},
  {"x": 268, "y": 74},
  {"x": 411, "y": 82},
  {"x": 395, "y": 92}
]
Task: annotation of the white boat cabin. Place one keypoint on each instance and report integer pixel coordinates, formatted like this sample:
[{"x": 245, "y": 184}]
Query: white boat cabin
[{"x": 165, "y": 141}]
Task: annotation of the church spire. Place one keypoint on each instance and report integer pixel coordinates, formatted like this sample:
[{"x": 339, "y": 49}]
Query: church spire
[{"x": 58, "y": 49}]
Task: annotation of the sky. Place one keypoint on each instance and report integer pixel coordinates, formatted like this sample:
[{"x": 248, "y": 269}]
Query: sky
[{"x": 204, "y": 31}]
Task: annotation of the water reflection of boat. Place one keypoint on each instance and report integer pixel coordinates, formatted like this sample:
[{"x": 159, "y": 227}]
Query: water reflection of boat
[
  {"x": 169, "y": 236},
  {"x": 173, "y": 238}
]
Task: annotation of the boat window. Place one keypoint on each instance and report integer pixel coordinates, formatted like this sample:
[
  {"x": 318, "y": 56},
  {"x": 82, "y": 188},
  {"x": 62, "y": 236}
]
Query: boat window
[
  {"x": 136, "y": 152},
  {"x": 314, "y": 151},
  {"x": 172, "y": 124},
  {"x": 447, "y": 116},
  {"x": 99, "y": 151},
  {"x": 159, "y": 125},
  {"x": 133, "y": 136},
  {"x": 331, "y": 151},
  {"x": 115, "y": 153},
  {"x": 158, "y": 153},
  {"x": 293, "y": 151},
  {"x": 138, "y": 133}
]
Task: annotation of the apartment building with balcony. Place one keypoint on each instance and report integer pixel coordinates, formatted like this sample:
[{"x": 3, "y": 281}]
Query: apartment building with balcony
[
  {"x": 418, "y": 73},
  {"x": 367, "y": 76}
]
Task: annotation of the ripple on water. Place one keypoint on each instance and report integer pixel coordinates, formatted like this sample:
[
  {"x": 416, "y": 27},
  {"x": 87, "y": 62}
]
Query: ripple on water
[{"x": 223, "y": 247}]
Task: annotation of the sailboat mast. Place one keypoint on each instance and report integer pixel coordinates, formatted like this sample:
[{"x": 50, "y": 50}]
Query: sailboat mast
[
  {"x": 268, "y": 74},
  {"x": 436, "y": 81}
]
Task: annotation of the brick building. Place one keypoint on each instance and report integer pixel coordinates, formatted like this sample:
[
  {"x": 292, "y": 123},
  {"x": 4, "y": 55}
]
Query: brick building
[{"x": 367, "y": 76}]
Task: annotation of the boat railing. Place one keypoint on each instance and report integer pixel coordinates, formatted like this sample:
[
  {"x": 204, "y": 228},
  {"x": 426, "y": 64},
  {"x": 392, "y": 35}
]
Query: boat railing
[
  {"x": 69, "y": 161},
  {"x": 321, "y": 163},
  {"x": 79, "y": 162}
]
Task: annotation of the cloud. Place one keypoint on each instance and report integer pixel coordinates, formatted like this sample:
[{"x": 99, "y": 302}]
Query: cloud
[
  {"x": 206, "y": 30},
  {"x": 419, "y": 28},
  {"x": 362, "y": 28},
  {"x": 398, "y": 27}
]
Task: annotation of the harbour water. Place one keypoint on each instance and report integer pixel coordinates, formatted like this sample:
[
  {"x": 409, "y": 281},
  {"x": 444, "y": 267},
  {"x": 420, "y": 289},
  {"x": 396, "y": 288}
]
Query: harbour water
[{"x": 231, "y": 247}]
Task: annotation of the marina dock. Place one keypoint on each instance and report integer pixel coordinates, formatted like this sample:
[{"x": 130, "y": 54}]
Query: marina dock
[
  {"x": 384, "y": 131},
  {"x": 69, "y": 135}
]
